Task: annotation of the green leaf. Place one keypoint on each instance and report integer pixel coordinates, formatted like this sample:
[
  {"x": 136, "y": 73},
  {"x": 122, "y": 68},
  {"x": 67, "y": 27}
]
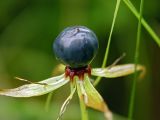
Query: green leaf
[
  {"x": 95, "y": 100},
  {"x": 35, "y": 89},
  {"x": 118, "y": 70}
]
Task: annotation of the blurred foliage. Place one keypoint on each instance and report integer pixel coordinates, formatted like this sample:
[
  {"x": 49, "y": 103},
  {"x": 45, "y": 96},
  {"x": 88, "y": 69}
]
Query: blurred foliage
[{"x": 27, "y": 31}]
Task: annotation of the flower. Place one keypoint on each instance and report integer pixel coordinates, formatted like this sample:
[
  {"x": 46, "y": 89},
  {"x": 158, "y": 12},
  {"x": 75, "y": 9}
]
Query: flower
[{"x": 77, "y": 72}]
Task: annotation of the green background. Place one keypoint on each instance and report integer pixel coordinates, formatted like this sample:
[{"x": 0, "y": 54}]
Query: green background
[{"x": 27, "y": 31}]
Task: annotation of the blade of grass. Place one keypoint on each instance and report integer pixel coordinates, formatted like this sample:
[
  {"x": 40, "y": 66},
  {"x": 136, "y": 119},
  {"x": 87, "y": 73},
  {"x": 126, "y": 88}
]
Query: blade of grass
[
  {"x": 109, "y": 40},
  {"x": 136, "y": 57},
  {"x": 144, "y": 23}
]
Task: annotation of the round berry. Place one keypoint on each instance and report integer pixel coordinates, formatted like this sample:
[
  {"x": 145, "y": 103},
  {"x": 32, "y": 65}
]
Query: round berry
[{"x": 76, "y": 46}]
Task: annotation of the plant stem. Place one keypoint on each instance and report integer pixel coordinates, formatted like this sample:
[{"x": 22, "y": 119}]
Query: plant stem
[
  {"x": 84, "y": 113},
  {"x": 136, "y": 57},
  {"x": 109, "y": 40},
  {"x": 48, "y": 101},
  {"x": 144, "y": 23}
]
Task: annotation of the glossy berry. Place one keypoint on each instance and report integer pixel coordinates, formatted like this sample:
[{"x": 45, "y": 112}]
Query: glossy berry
[{"x": 76, "y": 46}]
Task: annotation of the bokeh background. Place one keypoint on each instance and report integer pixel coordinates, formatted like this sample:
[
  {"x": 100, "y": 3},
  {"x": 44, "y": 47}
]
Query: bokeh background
[{"x": 27, "y": 31}]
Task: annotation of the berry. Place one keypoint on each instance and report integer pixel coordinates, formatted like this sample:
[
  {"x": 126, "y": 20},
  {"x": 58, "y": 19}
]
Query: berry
[{"x": 76, "y": 46}]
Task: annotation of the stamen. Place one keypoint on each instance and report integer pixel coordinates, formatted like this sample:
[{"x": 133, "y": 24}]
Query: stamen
[
  {"x": 117, "y": 60},
  {"x": 21, "y": 79},
  {"x": 66, "y": 102}
]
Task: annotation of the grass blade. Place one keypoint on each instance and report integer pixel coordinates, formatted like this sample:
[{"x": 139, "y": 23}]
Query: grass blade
[
  {"x": 144, "y": 23},
  {"x": 109, "y": 40},
  {"x": 136, "y": 57}
]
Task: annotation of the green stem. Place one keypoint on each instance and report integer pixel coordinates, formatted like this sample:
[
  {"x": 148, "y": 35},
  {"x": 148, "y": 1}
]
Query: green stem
[
  {"x": 84, "y": 113},
  {"x": 109, "y": 40},
  {"x": 144, "y": 23},
  {"x": 48, "y": 101},
  {"x": 131, "y": 107}
]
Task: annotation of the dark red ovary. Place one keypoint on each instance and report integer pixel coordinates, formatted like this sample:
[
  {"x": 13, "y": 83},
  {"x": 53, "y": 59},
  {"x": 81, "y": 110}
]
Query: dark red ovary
[{"x": 71, "y": 72}]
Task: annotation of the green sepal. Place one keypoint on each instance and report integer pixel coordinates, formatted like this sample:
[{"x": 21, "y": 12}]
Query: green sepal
[
  {"x": 91, "y": 97},
  {"x": 36, "y": 89},
  {"x": 118, "y": 70}
]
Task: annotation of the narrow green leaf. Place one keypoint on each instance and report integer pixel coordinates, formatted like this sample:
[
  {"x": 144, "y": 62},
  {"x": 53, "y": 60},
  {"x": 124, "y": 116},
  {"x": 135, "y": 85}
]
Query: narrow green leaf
[
  {"x": 136, "y": 57},
  {"x": 109, "y": 39},
  {"x": 143, "y": 21},
  {"x": 30, "y": 90},
  {"x": 118, "y": 71}
]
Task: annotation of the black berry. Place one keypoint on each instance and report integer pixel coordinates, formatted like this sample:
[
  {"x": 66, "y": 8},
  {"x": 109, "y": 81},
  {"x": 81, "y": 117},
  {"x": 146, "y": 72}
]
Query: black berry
[{"x": 76, "y": 46}]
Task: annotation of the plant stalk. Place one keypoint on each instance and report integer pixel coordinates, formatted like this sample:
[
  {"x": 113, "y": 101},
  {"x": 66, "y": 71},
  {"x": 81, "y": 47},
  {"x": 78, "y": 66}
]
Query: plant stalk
[
  {"x": 84, "y": 113},
  {"x": 144, "y": 23},
  {"x": 136, "y": 57},
  {"x": 109, "y": 40},
  {"x": 48, "y": 101}
]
